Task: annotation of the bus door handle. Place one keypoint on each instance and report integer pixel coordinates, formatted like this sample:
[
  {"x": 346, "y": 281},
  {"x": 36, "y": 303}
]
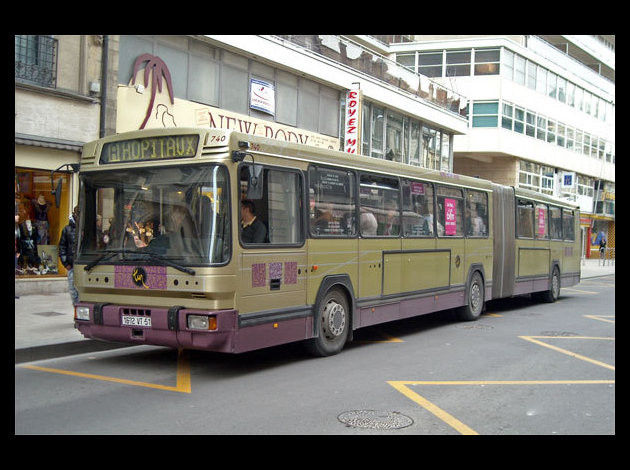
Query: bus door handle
[{"x": 274, "y": 284}]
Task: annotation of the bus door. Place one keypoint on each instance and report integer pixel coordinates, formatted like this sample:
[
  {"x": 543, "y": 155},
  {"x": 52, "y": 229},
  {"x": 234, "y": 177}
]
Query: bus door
[
  {"x": 271, "y": 233},
  {"x": 477, "y": 227},
  {"x": 380, "y": 242},
  {"x": 450, "y": 231},
  {"x": 424, "y": 268}
]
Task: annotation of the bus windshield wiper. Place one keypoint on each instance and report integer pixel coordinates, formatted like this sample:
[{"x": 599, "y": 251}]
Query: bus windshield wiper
[
  {"x": 156, "y": 257},
  {"x": 110, "y": 253},
  {"x": 105, "y": 256}
]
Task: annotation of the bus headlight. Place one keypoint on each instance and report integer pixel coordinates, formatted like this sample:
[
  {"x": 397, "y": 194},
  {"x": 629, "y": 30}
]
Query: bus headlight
[
  {"x": 202, "y": 322},
  {"x": 82, "y": 313}
]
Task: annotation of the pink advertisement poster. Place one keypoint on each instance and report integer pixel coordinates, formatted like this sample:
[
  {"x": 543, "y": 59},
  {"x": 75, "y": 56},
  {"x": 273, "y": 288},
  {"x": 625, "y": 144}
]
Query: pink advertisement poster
[
  {"x": 450, "y": 216},
  {"x": 541, "y": 223}
]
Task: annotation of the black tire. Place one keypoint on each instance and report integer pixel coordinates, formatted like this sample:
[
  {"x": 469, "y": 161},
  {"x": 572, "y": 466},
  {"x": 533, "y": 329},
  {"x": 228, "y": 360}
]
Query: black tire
[
  {"x": 333, "y": 323},
  {"x": 553, "y": 293},
  {"x": 476, "y": 297}
]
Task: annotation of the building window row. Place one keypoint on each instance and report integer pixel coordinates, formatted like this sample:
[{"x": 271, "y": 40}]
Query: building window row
[
  {"x": 535, "y": 77},
  {"x": 532, "y": 124},
  {"x": 512, "y": 66},
  {"x": 393, "y": 136},
  {"x": 542, "y": 179}
]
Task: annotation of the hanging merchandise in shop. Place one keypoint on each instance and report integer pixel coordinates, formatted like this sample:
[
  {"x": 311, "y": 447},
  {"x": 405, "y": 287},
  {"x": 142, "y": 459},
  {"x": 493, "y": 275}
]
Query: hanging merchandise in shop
[{"x": 38, "y": 223}]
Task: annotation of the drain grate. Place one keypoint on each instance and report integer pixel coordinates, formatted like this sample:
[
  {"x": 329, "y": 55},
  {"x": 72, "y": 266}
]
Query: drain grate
[{"x": 374, "y": 419}]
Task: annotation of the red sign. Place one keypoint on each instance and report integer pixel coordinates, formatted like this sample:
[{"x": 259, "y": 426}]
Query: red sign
[{"x": 352, "y": 141}]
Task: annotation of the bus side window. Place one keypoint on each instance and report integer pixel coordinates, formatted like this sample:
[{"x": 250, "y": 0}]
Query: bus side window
[
  {"x": 331, "y": 202},
  {"x": 525, "y": 219},
  {"x": 555, "y": 218},
  {"x": 476, "y": 213},
  {"x": 417, "y": 209}
]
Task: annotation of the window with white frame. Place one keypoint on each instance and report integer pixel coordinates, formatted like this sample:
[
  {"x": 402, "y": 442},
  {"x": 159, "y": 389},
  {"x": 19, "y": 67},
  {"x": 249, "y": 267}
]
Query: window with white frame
[{"x": 486, "y": 61}]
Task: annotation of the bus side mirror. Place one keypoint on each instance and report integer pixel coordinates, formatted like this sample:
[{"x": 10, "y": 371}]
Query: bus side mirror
[{"x": 74, "y": 167}]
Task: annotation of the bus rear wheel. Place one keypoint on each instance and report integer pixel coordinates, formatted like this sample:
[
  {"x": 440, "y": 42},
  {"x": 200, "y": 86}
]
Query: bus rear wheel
[
  {"x": 553, "y": 293},
  {"x": 333, "y": 324},
  {"x": 473, "y": 308}
]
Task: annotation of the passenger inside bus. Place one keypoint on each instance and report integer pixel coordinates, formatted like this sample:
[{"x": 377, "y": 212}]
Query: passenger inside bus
[
  {"x": 253, "y": 230},
  {"x": 176, "y": 237}
]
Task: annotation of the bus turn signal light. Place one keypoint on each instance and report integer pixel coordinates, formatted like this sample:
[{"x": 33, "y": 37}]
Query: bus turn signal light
[{"x": 202, "y": 322}]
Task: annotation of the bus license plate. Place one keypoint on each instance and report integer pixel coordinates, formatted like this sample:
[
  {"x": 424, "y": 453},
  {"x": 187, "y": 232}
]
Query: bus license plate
[{"x": 128, "y": 320}]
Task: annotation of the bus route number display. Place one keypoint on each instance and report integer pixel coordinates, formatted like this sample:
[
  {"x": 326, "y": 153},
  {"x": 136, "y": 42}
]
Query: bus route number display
[{"x": 150, "y": 148}]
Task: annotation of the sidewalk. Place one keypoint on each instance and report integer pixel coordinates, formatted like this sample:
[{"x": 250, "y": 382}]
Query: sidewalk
[{"x": 44, "y": 324}]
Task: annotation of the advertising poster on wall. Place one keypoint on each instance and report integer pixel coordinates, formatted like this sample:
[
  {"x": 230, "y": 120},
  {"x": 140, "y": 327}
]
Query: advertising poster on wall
[{"x": 262, "y": 96}]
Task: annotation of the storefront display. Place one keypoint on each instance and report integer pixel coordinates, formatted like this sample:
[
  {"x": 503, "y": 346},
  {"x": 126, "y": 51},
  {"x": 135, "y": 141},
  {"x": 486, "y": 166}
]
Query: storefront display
[{"x": 38, "y": 223}]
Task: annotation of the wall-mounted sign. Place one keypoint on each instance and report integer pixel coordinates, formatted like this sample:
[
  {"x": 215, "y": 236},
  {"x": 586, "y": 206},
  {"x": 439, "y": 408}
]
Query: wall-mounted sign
[
  {"x": 352, "y": 123},
  {"x": 568, "y": 180},
  {"x": 262, "y": 96}
]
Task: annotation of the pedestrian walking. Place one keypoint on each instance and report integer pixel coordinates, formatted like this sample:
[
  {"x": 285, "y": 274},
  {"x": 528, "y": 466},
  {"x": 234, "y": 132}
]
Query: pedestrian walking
[{"x": 66, "y": 252}]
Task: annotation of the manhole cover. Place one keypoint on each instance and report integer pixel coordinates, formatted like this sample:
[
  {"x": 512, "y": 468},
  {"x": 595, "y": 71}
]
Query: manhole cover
[
  {"x": 374, "y": 419},
  {"x": 48, "y": 314}
]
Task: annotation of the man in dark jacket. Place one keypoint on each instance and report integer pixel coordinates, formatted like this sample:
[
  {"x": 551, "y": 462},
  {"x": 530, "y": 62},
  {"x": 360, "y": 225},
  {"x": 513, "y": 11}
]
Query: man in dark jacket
[
  {"x": 66, "y": 252},
  {"x": 252, "y": 229}
]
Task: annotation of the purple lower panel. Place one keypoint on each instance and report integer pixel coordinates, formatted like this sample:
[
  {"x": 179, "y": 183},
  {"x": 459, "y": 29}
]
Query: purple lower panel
[
  {"x": 273, "y": 334},
  {"x": 530, "y": 285},
  {"x": 409, "y": 308},
  {"x": 570, "y": 279}
]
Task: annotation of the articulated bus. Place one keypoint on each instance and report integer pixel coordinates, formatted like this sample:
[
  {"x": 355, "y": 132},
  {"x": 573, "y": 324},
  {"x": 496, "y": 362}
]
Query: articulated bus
[{"x": 165, "y": 254}]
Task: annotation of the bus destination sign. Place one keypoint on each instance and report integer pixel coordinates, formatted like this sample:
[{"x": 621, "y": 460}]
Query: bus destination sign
[{"x": 150, "y": 148}]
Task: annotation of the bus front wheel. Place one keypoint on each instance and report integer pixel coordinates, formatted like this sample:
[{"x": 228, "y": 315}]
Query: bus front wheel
[{"x": 333, "y": 324}]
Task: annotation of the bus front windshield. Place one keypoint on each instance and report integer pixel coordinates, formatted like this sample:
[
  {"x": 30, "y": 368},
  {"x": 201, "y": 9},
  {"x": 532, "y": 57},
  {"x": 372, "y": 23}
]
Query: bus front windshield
[{"x": 177, "y": 214}]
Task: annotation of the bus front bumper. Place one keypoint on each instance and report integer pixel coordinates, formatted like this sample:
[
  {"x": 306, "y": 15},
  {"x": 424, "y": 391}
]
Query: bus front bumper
[{"x": 176, "y": 327}]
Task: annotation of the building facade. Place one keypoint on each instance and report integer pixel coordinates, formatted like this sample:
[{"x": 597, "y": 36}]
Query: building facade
[
  {"x": 511, "y": 109},
  {"x": 541, "y": 114},
  {"x": 58, "y": 92}
]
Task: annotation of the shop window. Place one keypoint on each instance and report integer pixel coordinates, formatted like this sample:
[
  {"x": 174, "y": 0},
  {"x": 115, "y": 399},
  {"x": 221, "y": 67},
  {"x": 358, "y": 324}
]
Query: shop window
[{"x": 39, "y": 222}]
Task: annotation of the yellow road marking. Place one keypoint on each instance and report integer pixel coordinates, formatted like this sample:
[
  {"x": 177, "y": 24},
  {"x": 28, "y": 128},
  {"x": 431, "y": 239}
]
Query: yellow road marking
[
  {"x": 390, "y": 339},
  {"x": 579, "y": 290},
  {"x": 601, "y": 317},
  {"x": 183, "y": 376},
  {"x": 533, "y": 339},
  {"x": 402, "y": 387}
]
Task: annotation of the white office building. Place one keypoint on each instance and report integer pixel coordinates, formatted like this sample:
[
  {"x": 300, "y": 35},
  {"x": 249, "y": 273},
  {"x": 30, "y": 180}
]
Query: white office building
[{"x": 541, "y": 113}]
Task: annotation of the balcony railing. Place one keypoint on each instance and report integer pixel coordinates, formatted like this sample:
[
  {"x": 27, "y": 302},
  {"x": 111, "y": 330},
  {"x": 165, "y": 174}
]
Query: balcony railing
[
  {"x": 353, "y": 55},
  {"x": 36, "y": 60}
]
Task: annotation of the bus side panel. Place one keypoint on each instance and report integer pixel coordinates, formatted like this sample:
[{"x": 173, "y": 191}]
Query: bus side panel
[{"x": 328, "y": 257}]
